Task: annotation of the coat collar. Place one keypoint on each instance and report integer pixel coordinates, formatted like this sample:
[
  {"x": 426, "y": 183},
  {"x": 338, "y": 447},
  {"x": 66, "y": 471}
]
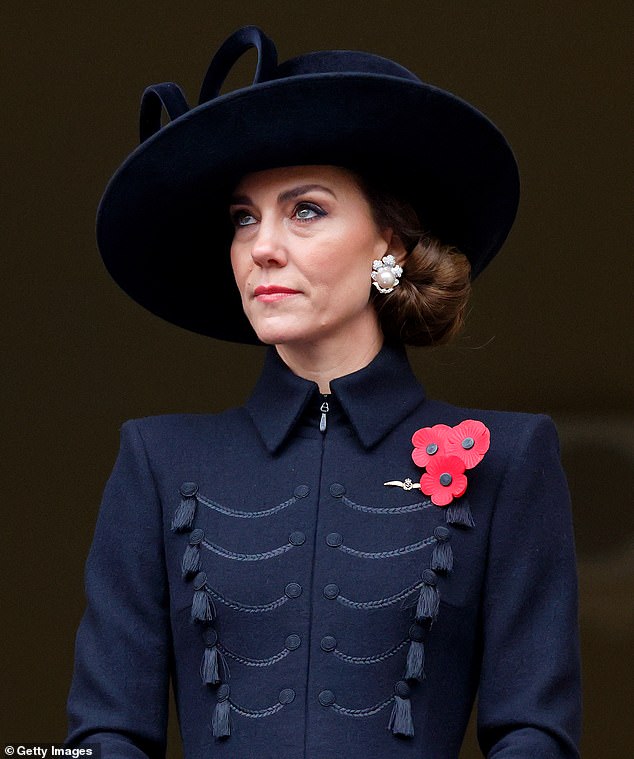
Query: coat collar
[{"x": 375, "y": 399}]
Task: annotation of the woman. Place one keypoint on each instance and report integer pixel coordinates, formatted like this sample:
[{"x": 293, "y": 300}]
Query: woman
[{"x": 337, "y": 567}]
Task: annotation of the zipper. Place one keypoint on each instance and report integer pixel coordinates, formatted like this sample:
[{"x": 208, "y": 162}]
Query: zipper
[{"x": 324, "y": 408}]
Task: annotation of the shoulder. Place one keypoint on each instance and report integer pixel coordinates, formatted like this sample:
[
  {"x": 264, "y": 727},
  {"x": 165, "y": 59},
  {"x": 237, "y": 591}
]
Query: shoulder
[
  {"x": 519, "y": 441},
  {"x": 508, "y": 428},
  {"x": 163, "y": 431}
]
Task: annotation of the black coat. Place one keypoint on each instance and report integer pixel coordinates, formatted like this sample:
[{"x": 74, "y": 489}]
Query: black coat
[{"x": 306, "y": 610}]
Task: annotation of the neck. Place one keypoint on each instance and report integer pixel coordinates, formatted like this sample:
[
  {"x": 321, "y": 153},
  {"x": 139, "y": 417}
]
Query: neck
[{"x": 328, "y": 359}]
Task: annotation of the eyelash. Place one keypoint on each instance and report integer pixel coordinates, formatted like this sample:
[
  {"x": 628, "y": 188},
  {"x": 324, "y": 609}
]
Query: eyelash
[
  {"x": 241, "y": 212},
  {"x": 237, "y": 215},
  {"x": 312, "y": 207}
]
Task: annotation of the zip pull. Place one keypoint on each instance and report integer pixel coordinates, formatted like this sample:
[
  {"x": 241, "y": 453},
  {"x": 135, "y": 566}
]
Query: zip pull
[{"x": 324, "y": 408}]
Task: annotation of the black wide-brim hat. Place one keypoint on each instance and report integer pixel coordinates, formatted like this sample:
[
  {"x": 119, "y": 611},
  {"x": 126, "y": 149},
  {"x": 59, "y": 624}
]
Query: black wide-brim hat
[{"x": 163, "y": 226}]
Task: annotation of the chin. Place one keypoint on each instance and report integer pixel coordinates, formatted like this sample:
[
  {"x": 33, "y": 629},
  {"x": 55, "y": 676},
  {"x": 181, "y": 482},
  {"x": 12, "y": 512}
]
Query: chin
[
  {"x": 283, "y": 332},
  {"x": 271, "y": 337}
]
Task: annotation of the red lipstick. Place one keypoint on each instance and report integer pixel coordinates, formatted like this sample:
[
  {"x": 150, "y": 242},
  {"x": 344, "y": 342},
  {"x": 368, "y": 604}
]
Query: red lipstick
[{"x": 270, "y": 293}]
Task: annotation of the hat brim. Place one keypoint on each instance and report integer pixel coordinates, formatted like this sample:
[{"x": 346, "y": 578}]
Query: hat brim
[{"x": 162, "y": 224}]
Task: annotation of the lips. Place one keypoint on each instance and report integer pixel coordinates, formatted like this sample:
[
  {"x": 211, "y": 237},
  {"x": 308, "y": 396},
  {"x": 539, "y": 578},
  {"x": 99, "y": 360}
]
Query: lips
[
  {"x": 273, "y": 290},
  {"x": 273, "y": 293}
]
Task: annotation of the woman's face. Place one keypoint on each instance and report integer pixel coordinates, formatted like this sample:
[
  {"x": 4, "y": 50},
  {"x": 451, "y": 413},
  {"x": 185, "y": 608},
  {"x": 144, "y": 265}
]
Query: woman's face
[{"x": 302, "y": 254}]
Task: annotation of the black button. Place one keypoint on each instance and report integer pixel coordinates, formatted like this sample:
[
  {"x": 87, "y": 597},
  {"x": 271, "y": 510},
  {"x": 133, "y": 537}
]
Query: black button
[
  {"x": 301, "y": 491},
  {"x": 296, "y": 538},
  {"x": 337, "y": 490},
  {"x": 334, "y": 539},
  {"x": 331, "y": 590},
  {"x": 441, "y": 533},
  {"x": 222, "y": 694},
  {"x": 188, "y": 489},
  {"x": 402, "y": 689},
  {"x": 196, "y": 536},
  {"x": 286, "y": 695},
  {"x": 429, "y": 577},
  {"x": 328, "y": 643},
  {"x": 431, "y": 449},
  {"x": 326, "y": 698},
  {"x": 292, "y": 642},
  {"x": 200, "y": 580},
  {"x": 417, "y": 632},
  {"x": 293, "y": 590},
  {"x": 468, "y": 443},
  {"x": 445, "y": 479},
  {"x": 210, "y": 636}
]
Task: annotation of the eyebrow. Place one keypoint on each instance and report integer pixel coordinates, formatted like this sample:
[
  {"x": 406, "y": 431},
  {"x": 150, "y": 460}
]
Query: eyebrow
[{"x": 285, "y": 196}]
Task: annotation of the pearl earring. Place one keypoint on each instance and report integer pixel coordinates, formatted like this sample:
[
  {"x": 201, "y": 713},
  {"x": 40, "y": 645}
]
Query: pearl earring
[{"x": 386, "y": 273}]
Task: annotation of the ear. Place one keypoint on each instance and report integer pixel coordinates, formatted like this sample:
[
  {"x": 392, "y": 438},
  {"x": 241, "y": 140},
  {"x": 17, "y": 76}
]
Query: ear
[{"x": 395, "y": 246}]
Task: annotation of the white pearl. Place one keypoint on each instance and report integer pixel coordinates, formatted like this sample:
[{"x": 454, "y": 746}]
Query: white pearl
[{"x": 386, "y": 278}]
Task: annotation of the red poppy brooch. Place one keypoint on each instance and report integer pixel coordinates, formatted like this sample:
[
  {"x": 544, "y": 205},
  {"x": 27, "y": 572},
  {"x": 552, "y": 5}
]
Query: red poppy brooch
[{"x": 445, "y": 453}]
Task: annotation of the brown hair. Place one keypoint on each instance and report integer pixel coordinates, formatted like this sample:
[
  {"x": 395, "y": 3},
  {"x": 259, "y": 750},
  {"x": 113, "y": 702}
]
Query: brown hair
[{"x": 428, "y": 307}]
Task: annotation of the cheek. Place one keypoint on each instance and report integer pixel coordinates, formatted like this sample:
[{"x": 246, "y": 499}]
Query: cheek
[
  {"x": 344, "y": 283},
  {"x": 238, "y": 266},
  {"x": 347, "y": 257}
]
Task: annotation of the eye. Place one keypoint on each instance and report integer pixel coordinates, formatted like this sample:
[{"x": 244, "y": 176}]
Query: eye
[
  {"x": 242, "y": 218},
  {"x": 308, "y": 211}
]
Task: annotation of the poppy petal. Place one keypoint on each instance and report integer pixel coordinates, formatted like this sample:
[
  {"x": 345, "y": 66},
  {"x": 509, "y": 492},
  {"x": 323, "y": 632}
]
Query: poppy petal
[{"x": 469, "y": 440}]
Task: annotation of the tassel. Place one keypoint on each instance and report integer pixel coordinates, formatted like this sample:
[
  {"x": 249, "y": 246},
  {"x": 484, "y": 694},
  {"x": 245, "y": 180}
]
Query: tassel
[
  {"x": 191, "y": 561},
  {"x": 416, "y": 654},
  {"x": 186, "y": 511},
  {"x": 415, "y": 661},
  {"x": 213, "y": 659},
  {"x": 401, "y": 717},
  {"x": 191, "y": 558},
  {"x": 203, "y": 609},
  {"x": 220, "y": 722},
  {"x": 460, "y": 513},
  {"x": 429, "y": 598},
  {"x": 442, "y": 558},
  {"x": 209, "y": 666},
  {"x": 442, "y": 555}
]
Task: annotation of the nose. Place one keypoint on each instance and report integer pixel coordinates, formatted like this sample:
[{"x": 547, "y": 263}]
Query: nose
[{"x": 267, "y": 246}]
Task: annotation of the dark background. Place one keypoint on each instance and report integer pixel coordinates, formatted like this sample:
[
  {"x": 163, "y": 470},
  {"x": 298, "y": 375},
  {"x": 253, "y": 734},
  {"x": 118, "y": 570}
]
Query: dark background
[{"x": 550, "y": 327}]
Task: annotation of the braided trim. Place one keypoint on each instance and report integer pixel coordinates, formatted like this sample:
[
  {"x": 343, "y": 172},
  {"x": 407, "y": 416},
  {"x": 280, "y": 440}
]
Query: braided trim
[
  {"x": 389, "y": 554},
  {"x": 244, "y": 514},
  {"x": 362, "y": 712},
  {"x": 249, "y": 608},
  {"x": 387, "y": 510},
  {"x": 255, "y": 713},
  {"x": 370, "y": 659},
  {"x": 246, "y": 556},
  {"x": 387, "y": 601},
  {"x": 255, "y": 662}
]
